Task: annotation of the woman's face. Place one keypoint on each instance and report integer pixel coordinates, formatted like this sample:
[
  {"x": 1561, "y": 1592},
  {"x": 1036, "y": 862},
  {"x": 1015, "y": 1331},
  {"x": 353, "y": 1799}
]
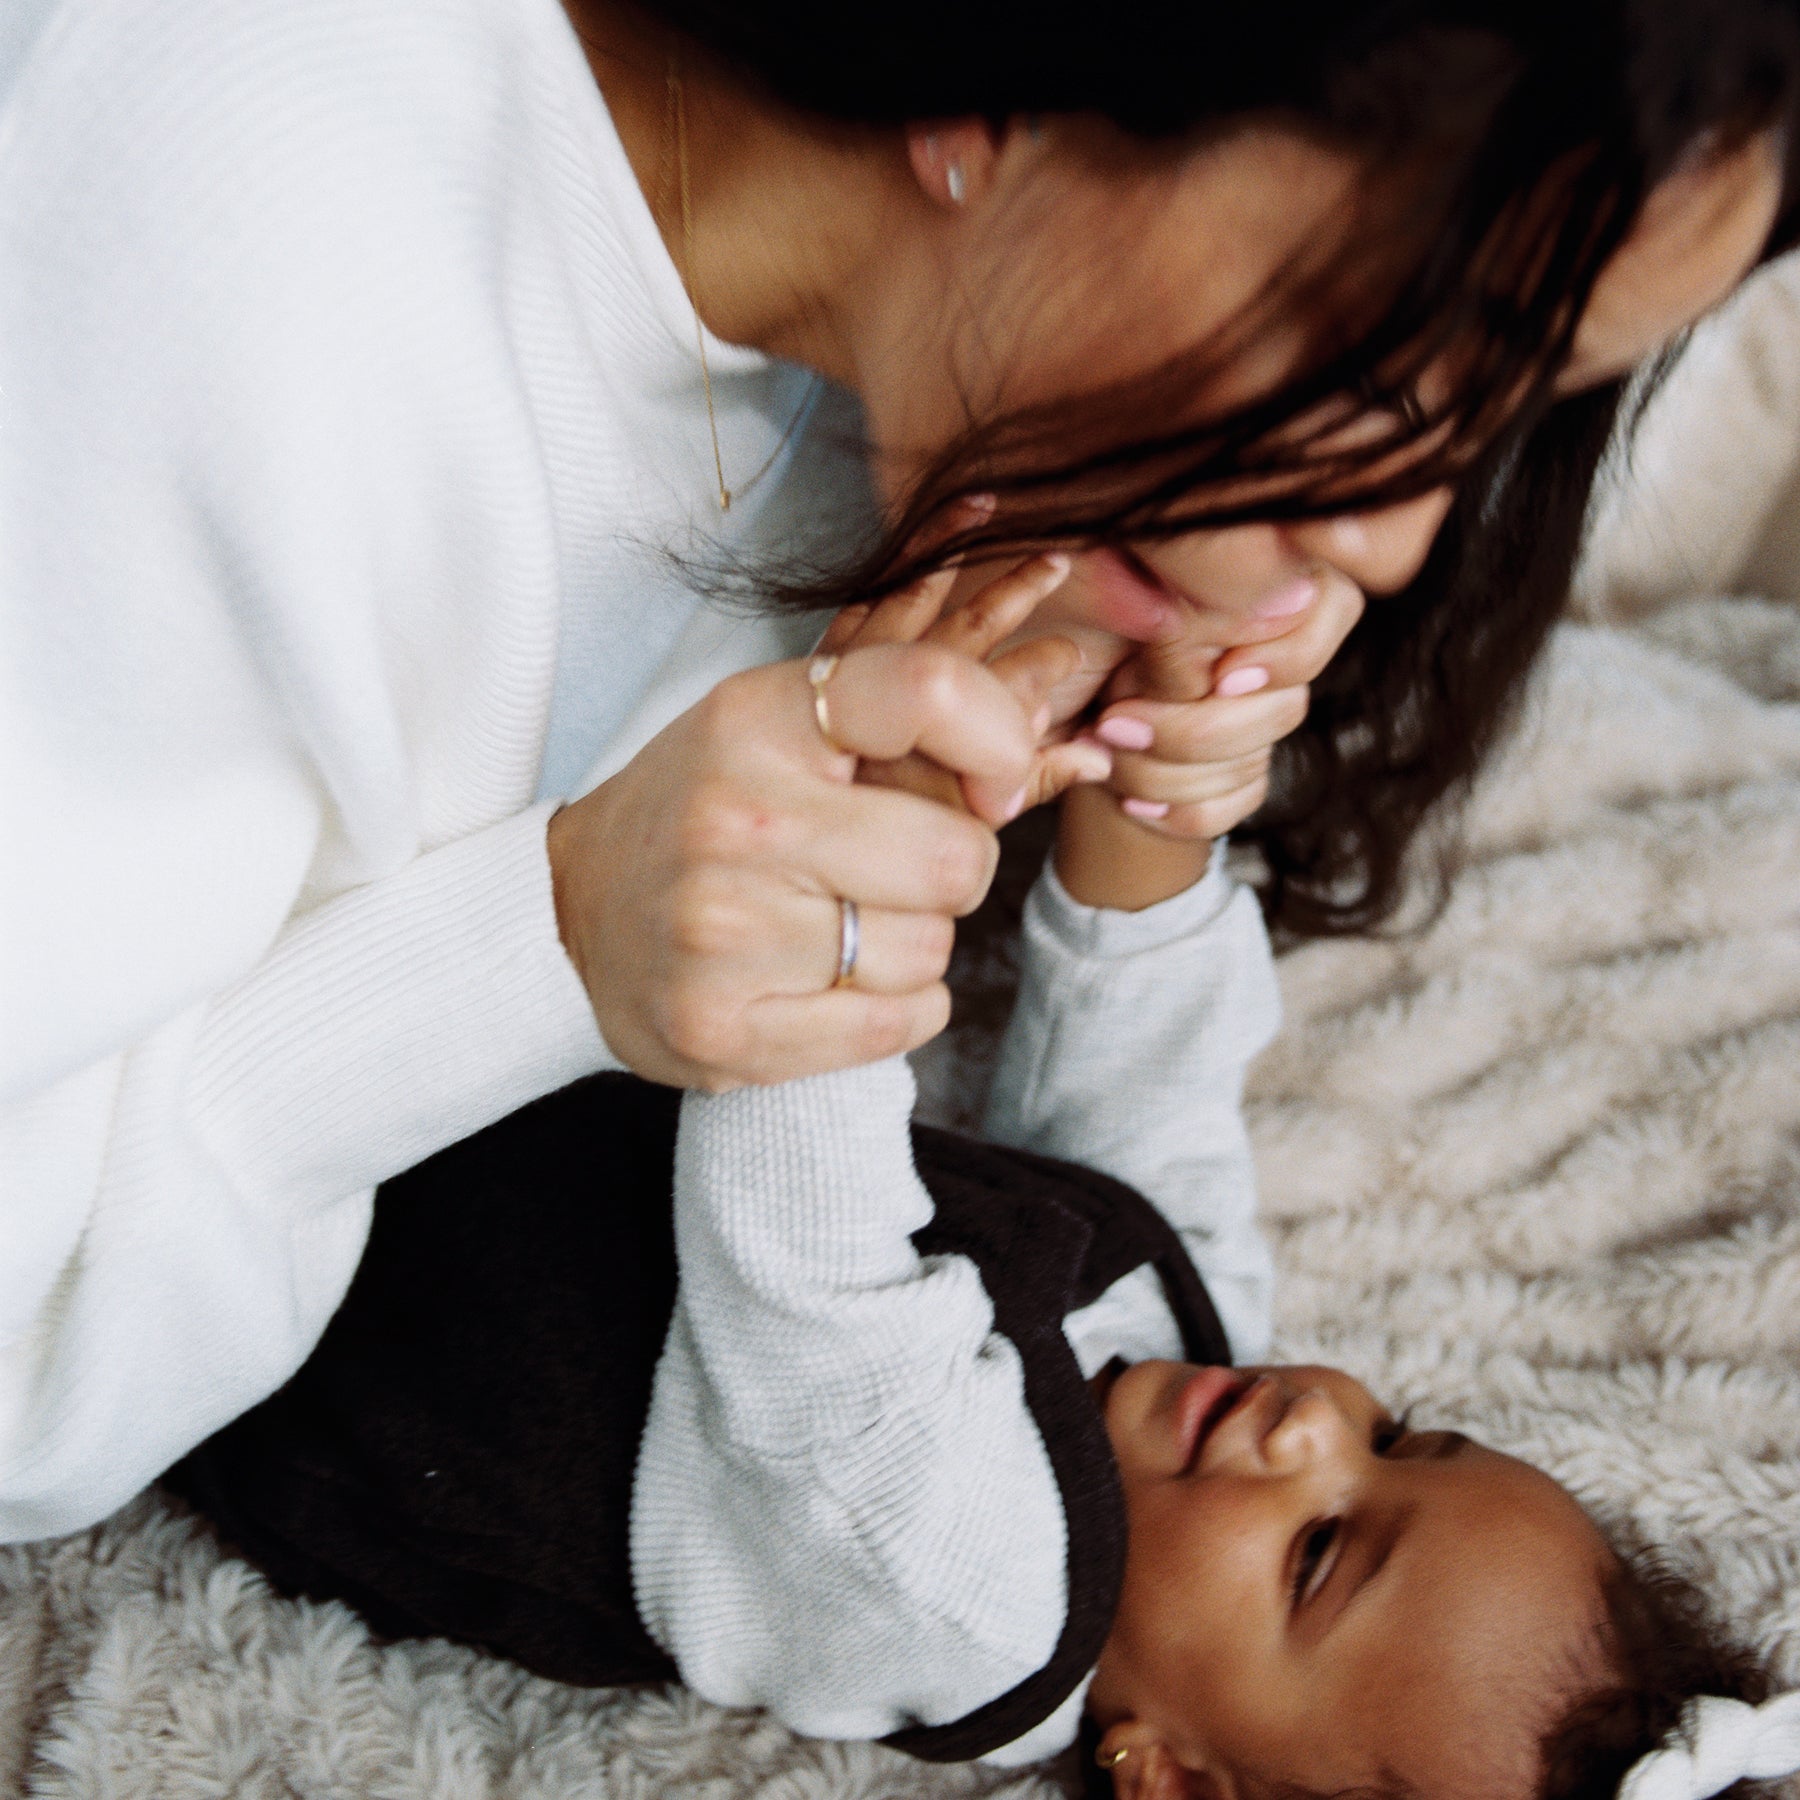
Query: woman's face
[
  {"x": 1315, "y": 1595},
  {"x": 1160, "y": 271}
]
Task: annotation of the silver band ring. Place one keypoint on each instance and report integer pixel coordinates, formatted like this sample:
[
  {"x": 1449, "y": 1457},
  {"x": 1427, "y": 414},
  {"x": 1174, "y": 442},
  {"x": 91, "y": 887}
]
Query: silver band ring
[
  {"x": 849, "y": 942},
  {"x": 818, "y": 672}
]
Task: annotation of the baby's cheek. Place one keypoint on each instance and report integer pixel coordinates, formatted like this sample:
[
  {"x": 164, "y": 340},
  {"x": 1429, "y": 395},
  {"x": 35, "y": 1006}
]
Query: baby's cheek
[{"x": 1196, "y": 1590}]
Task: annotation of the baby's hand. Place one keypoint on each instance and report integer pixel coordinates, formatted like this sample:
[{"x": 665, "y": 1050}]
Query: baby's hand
[
  {"x": 1193, "y": 729},
  {"x": 977, "y": 628}
]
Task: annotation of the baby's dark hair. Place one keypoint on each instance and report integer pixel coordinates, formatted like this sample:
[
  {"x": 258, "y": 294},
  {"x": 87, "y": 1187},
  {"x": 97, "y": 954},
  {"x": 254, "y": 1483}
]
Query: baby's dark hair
[{"x": 1663, "y": 1645}]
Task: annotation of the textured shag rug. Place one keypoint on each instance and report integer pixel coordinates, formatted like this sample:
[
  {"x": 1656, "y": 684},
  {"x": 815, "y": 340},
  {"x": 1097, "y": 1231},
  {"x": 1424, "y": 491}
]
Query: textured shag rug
[{"x": 1534, "y": 1170}]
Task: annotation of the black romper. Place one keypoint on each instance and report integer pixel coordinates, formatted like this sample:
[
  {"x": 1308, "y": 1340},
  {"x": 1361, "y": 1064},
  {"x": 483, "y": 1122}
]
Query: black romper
[{"x": 456, "y": 1457}]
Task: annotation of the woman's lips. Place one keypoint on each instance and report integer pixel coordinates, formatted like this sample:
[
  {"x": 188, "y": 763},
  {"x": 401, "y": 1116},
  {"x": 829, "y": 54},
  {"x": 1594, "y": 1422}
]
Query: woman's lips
[
  {"x": 1128, "y": 600},
  {"x": 1207, "y": 1397}
]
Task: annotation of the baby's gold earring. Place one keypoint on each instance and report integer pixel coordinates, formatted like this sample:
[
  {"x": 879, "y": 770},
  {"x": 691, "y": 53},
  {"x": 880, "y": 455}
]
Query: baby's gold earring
[{"x": 1110, "y": 1759}]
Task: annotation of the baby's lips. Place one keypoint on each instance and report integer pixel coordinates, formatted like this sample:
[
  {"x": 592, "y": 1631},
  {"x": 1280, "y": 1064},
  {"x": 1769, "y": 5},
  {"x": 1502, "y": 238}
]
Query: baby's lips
[
  {"x": 1206, "y": 1397},
  {"x": 1127, "y": 605}
]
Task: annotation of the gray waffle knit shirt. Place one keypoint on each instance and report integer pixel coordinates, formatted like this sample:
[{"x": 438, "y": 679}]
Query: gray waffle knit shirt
[{"x": 843, "y": 1510}]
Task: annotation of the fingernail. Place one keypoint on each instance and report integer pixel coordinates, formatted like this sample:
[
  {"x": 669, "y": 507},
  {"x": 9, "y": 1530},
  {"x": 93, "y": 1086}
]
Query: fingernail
[
  {"x": 1056, "y": 565},
  {"x": 1145, "y": 809},
  {"x": 1291, "y": 597},
  {"x": 1241, "y": 681},
  {"x": 1124, "y": 732},
  {"x": 1013, "y": 807},
  {"x": 981, "y": 505}
]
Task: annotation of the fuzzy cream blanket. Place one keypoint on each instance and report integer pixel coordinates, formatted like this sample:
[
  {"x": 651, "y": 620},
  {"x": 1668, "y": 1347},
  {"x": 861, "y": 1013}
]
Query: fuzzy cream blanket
[{"x": 1534, "y": 1170}]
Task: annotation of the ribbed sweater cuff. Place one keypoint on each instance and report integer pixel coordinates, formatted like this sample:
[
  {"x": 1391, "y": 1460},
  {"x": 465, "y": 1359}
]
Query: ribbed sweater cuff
[{"x": 397, "y": 1019}]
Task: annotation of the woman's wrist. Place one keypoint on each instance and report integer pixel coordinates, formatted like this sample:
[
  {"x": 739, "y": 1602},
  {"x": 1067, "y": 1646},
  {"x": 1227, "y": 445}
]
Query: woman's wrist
[
  {"x": 568, "y": 868},
  {"x": 1105, "y": 858}
]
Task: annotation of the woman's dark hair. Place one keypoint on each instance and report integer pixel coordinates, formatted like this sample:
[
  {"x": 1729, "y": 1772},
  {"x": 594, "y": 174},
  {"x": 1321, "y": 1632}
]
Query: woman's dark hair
[{"x": 1509, "y": 145}]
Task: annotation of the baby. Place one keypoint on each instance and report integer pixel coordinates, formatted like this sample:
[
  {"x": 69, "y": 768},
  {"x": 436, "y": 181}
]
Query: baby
[{"x": 938, "y": 1441}]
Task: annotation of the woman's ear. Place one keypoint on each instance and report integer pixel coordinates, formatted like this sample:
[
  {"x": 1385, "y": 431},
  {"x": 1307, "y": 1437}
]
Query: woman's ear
[{"x": 953, "y": 159}]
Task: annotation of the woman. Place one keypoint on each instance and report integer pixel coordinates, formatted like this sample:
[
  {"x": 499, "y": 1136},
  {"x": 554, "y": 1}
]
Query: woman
[{"x": 354, "y": 406}]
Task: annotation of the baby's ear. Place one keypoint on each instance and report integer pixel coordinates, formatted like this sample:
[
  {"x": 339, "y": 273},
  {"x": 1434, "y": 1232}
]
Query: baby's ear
[
  {"x": 1149, "y": 1770},
  {"x": 1202, "y": 1784}
]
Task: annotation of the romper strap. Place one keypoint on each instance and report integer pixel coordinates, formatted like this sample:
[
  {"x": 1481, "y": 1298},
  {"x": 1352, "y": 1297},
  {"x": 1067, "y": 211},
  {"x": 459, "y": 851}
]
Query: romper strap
[{"x": 1048, "y": 1238}]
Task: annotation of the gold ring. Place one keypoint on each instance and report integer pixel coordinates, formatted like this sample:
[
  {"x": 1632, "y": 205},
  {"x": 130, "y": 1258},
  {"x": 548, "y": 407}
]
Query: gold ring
[{"x": 818, "y": 672}]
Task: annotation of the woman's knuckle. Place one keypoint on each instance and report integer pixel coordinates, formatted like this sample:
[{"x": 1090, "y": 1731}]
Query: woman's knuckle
[
  {"x": 927, "y": 1017},
  {"x": 687, "y": 932},
  {"x": 958, "y": 868},
  {"x": 920, "y": 951},
  {"x": 882, "y": 1034},
  {"x": 891, "y": 1027},
  {"x": 936, "y": 941},
  {"x": 723, "y": 824},
  {"x": 1292, "y": 712},
  {"x": 695, "y": 1026},
  {"x": 705, "y": 923}
]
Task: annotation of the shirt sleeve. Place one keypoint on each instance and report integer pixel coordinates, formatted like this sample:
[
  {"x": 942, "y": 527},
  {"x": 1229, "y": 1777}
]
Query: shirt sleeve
[
  {"x": 180, "y": 1218},
  {"x": 843, "y": 1510},
  {"x": 1127, "y": 1051},
  {"x": 276, "y": 603}
]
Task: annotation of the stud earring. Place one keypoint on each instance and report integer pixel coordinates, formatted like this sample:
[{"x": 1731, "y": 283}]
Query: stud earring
[{"x": 959, "y": 188}]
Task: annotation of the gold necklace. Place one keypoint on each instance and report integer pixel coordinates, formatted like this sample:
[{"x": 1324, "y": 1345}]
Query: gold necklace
[{"x": 677, "y": 117}]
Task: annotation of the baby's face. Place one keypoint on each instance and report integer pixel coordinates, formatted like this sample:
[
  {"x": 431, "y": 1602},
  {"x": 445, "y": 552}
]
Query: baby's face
[{"x": 1315, "y": 1595}]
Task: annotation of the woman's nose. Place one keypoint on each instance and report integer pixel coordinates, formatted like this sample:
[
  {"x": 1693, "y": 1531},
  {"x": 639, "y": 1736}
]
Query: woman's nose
[{"x": 1382, "y": 550}]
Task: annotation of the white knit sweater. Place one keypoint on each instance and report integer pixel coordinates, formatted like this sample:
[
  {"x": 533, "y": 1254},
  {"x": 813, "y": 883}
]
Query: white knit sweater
[
  {"x": 348, "y": 402},
  {"x": 843, "y": 1510}
]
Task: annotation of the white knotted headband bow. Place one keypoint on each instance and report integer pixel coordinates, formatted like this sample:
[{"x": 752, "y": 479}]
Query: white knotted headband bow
[{"x": 1719, "y": 1741}]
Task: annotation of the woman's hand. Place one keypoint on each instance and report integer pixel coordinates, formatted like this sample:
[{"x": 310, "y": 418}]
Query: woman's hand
[
  {"x": 1193, "y": 729},
  {"x": 1032, "y": 671},
  {"x": 698, "y": 890}
]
